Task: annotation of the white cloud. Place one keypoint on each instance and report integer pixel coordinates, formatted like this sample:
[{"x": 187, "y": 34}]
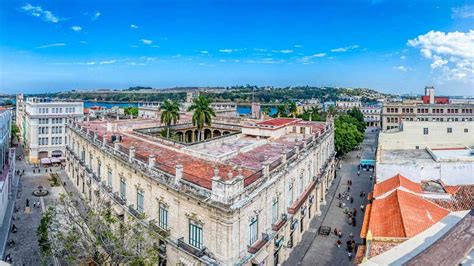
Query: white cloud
[
  {"x": 147, "y": 42},
  {"x": 204, "y": 52},
  {"x": 452, "y": 53},
  {"x": 264, "y": 61},
  {"x": 401, "y": 68},
  {"x": 107, "y": 62},
  {"x": 297, "y": 45},
  {"x": 38, "y": 11},
  {"x": 50, "y": 45},
  {"x": 466, "y": 11},
  {"x": 227, "y": 50},
  {"x": 344, "y": 49},
  {"x": 133, "y": 26},
  {"x": 285, "y": 51},
  {"x": 308, "y": 59},
  {"x": 259, "y": 49},
  {"x": 403, "y": 57},
  {"x": 96, "y": 15},
  {"x": 76, "y": 28}
]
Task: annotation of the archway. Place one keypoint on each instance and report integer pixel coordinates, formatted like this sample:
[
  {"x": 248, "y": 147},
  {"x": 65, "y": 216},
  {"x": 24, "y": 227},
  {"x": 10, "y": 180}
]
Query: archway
[
  {"x": 57, "y": 153},
  {"x": 217, "y": 133},
  {"x": 189, "y": 136},
  {"x": 42, "y": 154},
  {"x": 179, "y": 136},
  {"x": 226, "y": 133},
  {"x": 207, "y": 133}
]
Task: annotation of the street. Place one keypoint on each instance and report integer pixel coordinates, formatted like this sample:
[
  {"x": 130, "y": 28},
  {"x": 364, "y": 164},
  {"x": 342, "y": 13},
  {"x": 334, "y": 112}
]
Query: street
[{"x": 317, "y": 249}]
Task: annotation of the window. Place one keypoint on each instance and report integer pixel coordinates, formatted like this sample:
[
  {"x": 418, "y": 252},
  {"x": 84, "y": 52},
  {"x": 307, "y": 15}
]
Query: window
[
  {"x": 466, "y": 130},
  {"x": 109, "y": 178},
  {"x": 275, "y": 210},
  {"x": 140, "y": 199},
  {"x": 417, "y": 147},
  {"x": 163, "y": 216},
  {"x": 253, "y": 230},
  {"x": 425, "y": 131},
  {"x": 450, "y": 130},
  {"x": 195, "y": 235},
  {"x": 123, "y": 188},
  {"x": 290, "y": 195}
]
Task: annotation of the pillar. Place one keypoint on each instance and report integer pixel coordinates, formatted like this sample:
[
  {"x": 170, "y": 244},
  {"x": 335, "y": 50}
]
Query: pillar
[
  {"x": 318, "y": 203},
  {"x": 323, "y": 191}
]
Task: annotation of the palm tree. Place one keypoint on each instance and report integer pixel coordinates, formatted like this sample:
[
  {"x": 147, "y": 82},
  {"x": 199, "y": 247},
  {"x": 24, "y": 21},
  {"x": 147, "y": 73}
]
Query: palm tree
[
  {"x": 169, "y": 114},
  {"x": 266, "y": 110},
  {"x": 281, "y": 110},
  {"x": 293, "y": 109},
  {"x": 314, "y": 113},
  {"x": 203, "y": 113}
]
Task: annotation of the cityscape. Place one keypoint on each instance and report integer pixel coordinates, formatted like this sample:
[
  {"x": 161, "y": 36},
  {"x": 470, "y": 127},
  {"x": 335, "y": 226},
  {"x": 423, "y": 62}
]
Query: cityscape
[{"x": 237, "y": 133}]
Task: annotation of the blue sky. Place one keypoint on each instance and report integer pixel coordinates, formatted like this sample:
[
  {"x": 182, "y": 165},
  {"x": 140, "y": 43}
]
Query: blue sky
[{"x": 392, "y": 46}]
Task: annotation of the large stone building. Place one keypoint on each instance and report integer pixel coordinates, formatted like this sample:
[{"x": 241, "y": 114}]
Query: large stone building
[
  {"x": 428, "y": 108},
  {"x": 239, "y": 199},
  {"x": 43, "y": 126},
  {"x": 428, "y": 151},
  {"x": 371, "y": 115}
]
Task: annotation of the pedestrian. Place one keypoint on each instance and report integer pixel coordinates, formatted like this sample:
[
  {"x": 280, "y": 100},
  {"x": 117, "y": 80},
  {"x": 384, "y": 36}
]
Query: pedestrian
[
  {"x": 348, "y": 182},
  {"x": 363, "y": 194},
  {"x": 358, "y": 173},
  {"x": 362, "y": 207},
  {"x": 349, "y": 255},
  {"x": 338, "y": 243},
  {"x": 348, "y": 197},
  {"x": 351, "y": 235},
  {"x": 38, "y": 204},
  {"x": 352, "y": 200},
  {"x": 339, "y": 233},
  {"x": 339, "y": 196},
  {"x": 354, "y": 222},
  {"x": 27, "y": 203},
  {"x": 340, "y": 204},
  {"x": 348, "y": 245},
  {"x": 360, "y": 194},
  {"x": 348, "y": 188},
  {"x": 355, "y": 212},
  {"x": 352, "y": 245},
  {"x": 335, "y": 231}
]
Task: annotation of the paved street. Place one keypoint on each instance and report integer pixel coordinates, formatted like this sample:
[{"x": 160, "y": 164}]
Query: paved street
[
  {"x": 25, "y": 251},
  {"x": 322, "y": 250}
]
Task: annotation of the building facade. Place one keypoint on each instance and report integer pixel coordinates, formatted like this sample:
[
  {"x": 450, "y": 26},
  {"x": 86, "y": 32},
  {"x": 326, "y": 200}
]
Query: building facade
[
  {"x": 347, "y": 105},
  {"x": 429, "y": 108},
  {"x": 371, "y": 115},
  {"x": 246, "y": 199},
  {"x": 44, "y": 126},
  {"x": 7, "y": 161}
]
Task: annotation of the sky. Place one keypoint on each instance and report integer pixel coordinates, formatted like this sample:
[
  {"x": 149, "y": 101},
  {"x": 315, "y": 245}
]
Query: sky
[{"x": 391, "y": 46}]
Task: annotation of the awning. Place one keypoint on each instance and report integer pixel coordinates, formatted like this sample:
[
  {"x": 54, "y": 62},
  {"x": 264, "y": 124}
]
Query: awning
[
  {"x": 45, "y": 161},
  {"x": 55, "y": 160},
  {"x": 62, "y": 159},
  {"x": 260, "y": 257}
]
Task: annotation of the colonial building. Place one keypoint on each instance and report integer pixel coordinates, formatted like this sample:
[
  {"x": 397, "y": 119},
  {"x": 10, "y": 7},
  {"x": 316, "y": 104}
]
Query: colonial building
[
  {"x": 238, "y": 199},
  {"x": 428, "y": 108},
  {"x": 7, "y": 161},
  {"x": 347, "y": 105},
  {"x": 44, "y": 126},
  {"x": 371, "y": 115}
]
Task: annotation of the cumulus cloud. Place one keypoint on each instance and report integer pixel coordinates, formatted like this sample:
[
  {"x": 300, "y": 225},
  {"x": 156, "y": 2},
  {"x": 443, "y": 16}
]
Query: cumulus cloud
[
  {"x": 401, "y": 68},
  {"x": 147, "y": 42},
  {"x": 76, "y": 28},
  {"x": 133, "y": 26},
  {"x": 38, "y": 11},
  {"x": 452, "y": 53},
  {"x": 285, "y": 51},
  {"x": 50, "y": 45},
  {"x": 107, "y": 62},
  {"x": 227, "y": 50},
  {"x": 204, "y": 52},
  {"x": 308, "y": 59},
  {"x": 466, "y": 11},
  {"x": 344, "y": 49}
]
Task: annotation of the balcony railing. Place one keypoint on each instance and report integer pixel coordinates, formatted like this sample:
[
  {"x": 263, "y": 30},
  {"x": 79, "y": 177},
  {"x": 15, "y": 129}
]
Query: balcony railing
[
  {"x": 119, "y": 199},
  {"x": 138, "y": 214},
  {"x": 162, "y": 232},
  {"x": 189, "y": 248},
  {"x": 259, "y": 244},
  {"x": 279, "y": 224}
]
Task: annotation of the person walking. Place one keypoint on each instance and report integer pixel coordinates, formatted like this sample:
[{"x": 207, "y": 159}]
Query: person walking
[
  {"x": 362, "y": 207},
  {"x": 352, "y": 200},
  {"x": 338, "y": 243},
  {"x": 355, "y": 212},
  {"x": 335, "y": 231},
  {"x": 354, "y": 222},
  {"x": 339, "y": 233},
  {"x": 348, "y": 188}
]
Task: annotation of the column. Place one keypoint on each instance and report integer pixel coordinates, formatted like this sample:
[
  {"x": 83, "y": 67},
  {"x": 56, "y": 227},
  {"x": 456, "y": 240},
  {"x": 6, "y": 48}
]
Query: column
[
  {"x": 318, "y": 207},
  {"x": 323, "y": 191}
]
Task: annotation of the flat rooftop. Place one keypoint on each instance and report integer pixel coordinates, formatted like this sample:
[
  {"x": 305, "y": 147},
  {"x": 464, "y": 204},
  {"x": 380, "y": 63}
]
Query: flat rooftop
[
  {"x": 245, "y": 152},
  {"x": 415, "y": 156}
]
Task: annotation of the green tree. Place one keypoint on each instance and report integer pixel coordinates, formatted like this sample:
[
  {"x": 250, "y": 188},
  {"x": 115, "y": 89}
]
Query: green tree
[
  {"x": 282, "y": 110},
  {"x": 293, "y": 109},
  {"x": 357, "y": 114},
  {"x": 14, "y": 131},
  {"x": 169, "y": 114},
  {"x": 92, "y": 234},
  {"x": 266, "y": 110},
  {"x": 131, "y": 110},
  {"x": 202, "y": 113},
  {"x": 347, "y": 136}
]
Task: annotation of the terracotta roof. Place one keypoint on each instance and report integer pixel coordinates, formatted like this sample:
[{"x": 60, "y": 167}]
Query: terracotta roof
[
  {"x": 462, "y": 198},
  {"x": 403, "y": 215},
  {"x": 395, "y": 182},
  {"x": 277, "y": 122},
  {"x": 365, "y": 224},
  {"x": 86, "y": 110}
]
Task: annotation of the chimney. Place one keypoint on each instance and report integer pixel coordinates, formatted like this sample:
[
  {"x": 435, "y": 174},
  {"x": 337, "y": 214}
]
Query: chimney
[{"x": 430, "y": 91}]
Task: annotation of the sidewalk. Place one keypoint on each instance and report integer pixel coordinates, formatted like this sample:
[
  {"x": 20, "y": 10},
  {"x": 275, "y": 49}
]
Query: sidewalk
[{"x": 315, "y": 249}]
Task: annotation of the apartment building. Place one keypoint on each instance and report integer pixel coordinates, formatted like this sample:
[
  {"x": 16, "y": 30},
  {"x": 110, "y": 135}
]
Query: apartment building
[
  {"x": 244, "y": 198},
  {"x": 7, "y": 161},
  {"x": 44, "y": 126},
  {"x": 428, "y": 108},
  {"x": 371, "y": 115},
  {"x": 347, "y": 105}
]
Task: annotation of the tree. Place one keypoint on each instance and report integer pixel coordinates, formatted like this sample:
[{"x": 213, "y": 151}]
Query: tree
[
  {"x": 202, "y": 113},
  {"x": 266, "y": 110},
  {"x": 347, "y": 136},
  {"x": 282, "y": 110},
  {"x": 169, "y": 114},
  {"x": 293, "y": 109},
  {"x": 14, "y": 131},
  {"x": 131, "y": 110},
  {"x": 313, "y": 114},
  {"x": 91, "y": 233},
  {"x": 357, "y": 114}
]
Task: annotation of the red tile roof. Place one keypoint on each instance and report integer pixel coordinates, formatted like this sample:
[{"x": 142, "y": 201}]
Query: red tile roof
[
  {"x": 403, "y": 215},
  {"x": 462, "y": 198},
  {"x": 277, "y": 122},
  {"x": 396, "y": 182}
]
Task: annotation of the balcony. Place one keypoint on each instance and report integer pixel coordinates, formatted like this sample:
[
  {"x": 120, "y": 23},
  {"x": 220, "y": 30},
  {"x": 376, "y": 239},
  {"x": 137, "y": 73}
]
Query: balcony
[
  {"x": 298, "y": 203},
  {"x": 138, "y": 214},
  {"x": 189, "y": 248},
  {"x": 258, "y": 244},
  {"x": 119, "y": 199},
  {"x": 95, "y": 177},
  {"x": 279, "y": 224},
  {"x": 162, "y": 232},
  {"x": 161, "y": 248}
]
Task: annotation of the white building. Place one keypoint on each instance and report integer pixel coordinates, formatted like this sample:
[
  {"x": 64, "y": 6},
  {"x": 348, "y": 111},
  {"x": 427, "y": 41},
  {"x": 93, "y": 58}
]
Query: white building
[
  {"x": 7, "y": 160},
  {"x": 428, "y": 151},
  {"x": 44, "y": 126}
]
